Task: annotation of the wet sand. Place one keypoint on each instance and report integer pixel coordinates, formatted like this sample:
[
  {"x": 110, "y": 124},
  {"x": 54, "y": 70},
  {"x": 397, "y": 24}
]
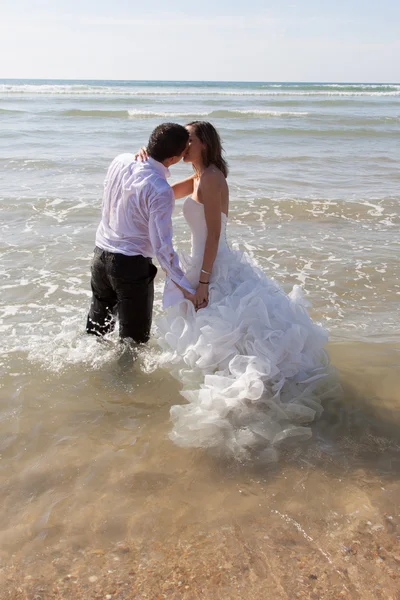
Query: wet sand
[{"x": 354, "y": 556}]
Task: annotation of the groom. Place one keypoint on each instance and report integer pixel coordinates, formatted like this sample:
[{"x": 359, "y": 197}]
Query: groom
[{"x": 136, "y": 225}]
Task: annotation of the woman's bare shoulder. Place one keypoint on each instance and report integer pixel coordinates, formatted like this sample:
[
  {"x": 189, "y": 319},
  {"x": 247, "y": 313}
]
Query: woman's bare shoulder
[{"x": 213, "y": 176}]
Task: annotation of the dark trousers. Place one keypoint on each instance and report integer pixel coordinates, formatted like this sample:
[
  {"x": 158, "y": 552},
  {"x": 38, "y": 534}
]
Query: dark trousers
[{"x": 122, "y": 286}]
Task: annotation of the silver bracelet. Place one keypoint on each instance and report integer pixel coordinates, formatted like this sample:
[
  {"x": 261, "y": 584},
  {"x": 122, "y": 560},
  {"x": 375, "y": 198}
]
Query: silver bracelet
[{"x": 206, "y": 272}]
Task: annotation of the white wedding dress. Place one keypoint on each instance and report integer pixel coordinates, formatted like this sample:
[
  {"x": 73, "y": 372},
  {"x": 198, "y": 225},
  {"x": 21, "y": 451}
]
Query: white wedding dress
[{"x": 252, "y": 363}]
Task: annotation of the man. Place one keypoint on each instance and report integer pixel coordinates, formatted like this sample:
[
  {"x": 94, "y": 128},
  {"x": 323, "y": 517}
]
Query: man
[{"x": 136, "y": 225}]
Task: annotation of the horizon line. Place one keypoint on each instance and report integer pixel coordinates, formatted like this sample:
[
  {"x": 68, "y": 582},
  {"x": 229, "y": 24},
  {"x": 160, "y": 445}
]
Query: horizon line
[{"x": 80, "y": 79}]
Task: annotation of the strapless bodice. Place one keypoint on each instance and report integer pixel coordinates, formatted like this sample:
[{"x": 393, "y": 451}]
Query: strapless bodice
[{"x": 193, "y": 212}]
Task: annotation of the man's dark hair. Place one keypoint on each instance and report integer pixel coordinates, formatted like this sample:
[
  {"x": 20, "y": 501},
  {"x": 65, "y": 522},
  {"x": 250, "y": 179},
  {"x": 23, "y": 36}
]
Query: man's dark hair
[{"x": 167, "y": 140}]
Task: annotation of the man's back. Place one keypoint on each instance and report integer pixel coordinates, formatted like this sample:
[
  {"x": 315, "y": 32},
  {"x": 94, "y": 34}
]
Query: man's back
[
  {"x": 131, "y": 190},
  {"x": 136, "y": 224}
]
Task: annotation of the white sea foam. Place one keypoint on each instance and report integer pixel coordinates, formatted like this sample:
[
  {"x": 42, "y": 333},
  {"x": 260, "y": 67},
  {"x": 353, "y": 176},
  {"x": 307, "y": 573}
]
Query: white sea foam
[
  {"x": 170, "y": 90},
  {"x": 142, "y": 114}
]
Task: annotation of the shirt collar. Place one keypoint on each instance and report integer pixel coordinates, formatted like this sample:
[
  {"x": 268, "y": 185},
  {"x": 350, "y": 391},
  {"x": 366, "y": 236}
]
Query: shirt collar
[{"x": 159, "y": 167}]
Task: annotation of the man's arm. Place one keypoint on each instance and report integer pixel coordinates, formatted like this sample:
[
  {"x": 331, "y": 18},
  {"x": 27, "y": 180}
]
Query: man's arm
[{"x": 160, "y": 230}]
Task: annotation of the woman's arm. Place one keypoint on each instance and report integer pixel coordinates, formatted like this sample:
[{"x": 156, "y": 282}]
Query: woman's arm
[
  {"x": 209, "y": 193},
  {"x": 184, "y": 187}
]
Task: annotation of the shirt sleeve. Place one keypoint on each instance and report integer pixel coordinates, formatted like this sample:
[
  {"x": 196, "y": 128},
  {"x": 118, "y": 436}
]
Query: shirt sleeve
[{"x": 160, "y": 230}]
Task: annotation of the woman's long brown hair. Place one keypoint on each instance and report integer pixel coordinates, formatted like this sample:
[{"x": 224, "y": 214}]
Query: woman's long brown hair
[{"x": 212, "y": 153}]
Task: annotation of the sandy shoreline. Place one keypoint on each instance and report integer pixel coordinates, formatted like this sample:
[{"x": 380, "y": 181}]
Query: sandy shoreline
[{"x": 259, "y": 559}]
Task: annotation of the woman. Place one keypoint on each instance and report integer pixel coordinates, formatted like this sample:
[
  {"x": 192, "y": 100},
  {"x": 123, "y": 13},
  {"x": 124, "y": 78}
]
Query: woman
[
  {"x": 251, "y": 355},
  {"x": 209, "y": 188}
]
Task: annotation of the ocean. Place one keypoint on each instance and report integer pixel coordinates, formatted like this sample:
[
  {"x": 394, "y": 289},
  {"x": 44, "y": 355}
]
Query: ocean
[{"x": 91, "y": 487}]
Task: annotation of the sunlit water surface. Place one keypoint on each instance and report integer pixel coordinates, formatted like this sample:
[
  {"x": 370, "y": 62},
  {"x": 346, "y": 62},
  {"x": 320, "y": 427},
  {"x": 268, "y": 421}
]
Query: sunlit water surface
[{"x": 96, "y": 500}]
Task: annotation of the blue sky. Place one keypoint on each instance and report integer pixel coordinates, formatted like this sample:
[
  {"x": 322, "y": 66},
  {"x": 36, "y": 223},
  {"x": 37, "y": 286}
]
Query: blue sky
[{"x": 226, "y": 40}]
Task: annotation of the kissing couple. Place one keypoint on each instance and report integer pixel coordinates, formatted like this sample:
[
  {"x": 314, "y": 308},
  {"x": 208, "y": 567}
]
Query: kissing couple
[{"x": 251, "y": 360}]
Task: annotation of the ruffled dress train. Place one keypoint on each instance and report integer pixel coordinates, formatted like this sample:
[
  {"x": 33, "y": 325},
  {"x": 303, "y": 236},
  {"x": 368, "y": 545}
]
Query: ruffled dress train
[{"x": 252, "y": 363}]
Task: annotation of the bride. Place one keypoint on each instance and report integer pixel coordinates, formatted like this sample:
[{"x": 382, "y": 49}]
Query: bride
[{"x": 249, "y": 357}]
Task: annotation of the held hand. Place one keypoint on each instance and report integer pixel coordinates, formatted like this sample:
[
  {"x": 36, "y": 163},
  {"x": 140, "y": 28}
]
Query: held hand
[
  {"x": 201, "y": 296},
  {"x": 202, "y": 306},
  {"x": 142, "y": 155},
  {"x": 189, "y": 296}
]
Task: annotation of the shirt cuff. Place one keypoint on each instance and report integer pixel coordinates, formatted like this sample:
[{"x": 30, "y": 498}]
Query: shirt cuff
[
  {"x": 185, "y": 284},
  {"x": 172, "y": 294}
]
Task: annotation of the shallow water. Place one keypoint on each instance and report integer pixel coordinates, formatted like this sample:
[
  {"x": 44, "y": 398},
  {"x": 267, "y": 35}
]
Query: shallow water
[
  {"x": 96, "y": 499},
  {"x": 90, "y": 480}
]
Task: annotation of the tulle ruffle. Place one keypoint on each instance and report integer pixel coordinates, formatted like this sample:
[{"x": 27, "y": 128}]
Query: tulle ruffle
[{"x": 252, "y": 363}]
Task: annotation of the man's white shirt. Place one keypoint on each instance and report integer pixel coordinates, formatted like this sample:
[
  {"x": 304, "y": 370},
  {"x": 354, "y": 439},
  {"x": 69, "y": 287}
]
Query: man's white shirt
[{"x": 137, "y": 212}]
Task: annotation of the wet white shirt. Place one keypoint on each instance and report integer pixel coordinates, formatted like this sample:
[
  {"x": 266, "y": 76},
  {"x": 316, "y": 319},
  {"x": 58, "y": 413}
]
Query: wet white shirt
[{"x": 136, "y": 214}]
